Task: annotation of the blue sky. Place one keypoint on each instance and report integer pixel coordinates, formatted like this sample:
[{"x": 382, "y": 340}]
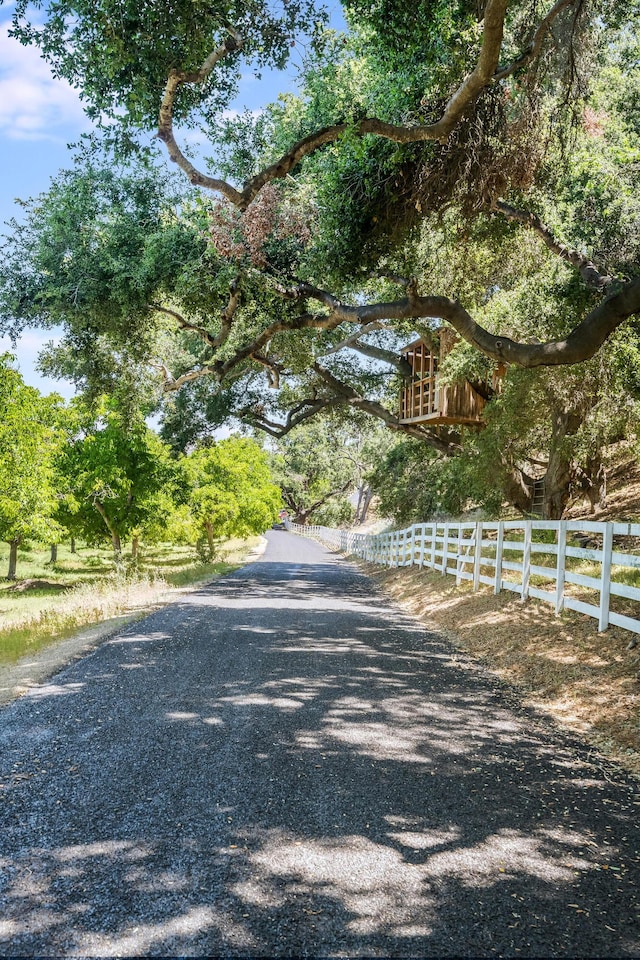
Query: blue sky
[{"x": 39, "y": 116}]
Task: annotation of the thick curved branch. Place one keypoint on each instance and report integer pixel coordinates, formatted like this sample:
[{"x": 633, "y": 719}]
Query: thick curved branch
[
  {"x": 588, "y": 270},
  {"x": 468, "y": 91},
  {"x": 484, "y": 73},
  {"x": 175, "y": 80},
  {"x": 581, "y": 344}
]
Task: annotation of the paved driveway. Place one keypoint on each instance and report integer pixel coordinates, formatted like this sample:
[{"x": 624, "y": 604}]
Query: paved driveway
[{"x": 282, "y": 764}]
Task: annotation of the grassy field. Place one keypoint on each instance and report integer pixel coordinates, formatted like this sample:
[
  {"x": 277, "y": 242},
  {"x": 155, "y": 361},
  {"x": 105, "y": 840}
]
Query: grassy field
[{"x": 83, "y": 588}]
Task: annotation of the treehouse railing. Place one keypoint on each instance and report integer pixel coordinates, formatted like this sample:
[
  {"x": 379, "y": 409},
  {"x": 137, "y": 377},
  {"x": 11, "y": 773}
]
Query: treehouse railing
[{"x": 586, "y": 566}]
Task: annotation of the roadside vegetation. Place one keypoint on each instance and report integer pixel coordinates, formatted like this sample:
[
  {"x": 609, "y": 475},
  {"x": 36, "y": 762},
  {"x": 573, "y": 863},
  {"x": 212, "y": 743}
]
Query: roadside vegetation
[{"x": 83, "y": 588}]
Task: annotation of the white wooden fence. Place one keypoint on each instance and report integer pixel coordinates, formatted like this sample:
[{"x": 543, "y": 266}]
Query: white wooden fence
[{"x": 578, "y": 565}]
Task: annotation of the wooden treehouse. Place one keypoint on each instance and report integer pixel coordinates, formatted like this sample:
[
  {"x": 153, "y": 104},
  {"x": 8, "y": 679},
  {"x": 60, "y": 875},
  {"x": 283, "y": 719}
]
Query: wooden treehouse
[{"x": 426, "y": 400}]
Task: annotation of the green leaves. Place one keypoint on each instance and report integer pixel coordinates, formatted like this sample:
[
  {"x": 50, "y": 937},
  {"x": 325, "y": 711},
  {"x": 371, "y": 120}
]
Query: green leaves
[
  {"x": 231, "y": 490},
  {"x": 116, "y": 476},
  {"x": 28, "y": 444},
  {"x": 119, "y": 52}
]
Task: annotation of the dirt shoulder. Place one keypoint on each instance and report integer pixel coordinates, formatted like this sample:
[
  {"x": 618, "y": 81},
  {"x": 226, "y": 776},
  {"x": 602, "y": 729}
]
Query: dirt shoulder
[
  {"x": 586, "y": 681},
  {"x": 16, "y": 679}
]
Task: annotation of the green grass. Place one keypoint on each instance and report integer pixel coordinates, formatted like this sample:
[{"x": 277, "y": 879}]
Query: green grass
[{"x": 32, "y": 620}]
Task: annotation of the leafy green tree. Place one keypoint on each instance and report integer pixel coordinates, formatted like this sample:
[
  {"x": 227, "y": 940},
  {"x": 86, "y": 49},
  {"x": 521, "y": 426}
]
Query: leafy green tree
[
  {"x": 28, "y": 443},
  {"x": 472, "y": 165},
  {"x": 493, "y": 113},
  {"x": 119, "y": 478},
  {"x": 231, "y": 490},
  {"x": 318, "y": 465}
]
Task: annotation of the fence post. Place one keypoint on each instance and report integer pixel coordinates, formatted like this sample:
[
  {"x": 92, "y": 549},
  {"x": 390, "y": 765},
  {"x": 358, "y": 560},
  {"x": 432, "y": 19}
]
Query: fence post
[
  {"x": 561, "y": 565},
  {"x": 497, "y": 584},
  {"x": 434, "y": 531},
  {"x": 605, "y": 576},
  {"x": 477, "y": 557},
  {"x": 526, "y": 560},
  {"x": 459, "y": 560},
  {"x": 460, "y": 557},
  {"x": 445, "y": 549}
]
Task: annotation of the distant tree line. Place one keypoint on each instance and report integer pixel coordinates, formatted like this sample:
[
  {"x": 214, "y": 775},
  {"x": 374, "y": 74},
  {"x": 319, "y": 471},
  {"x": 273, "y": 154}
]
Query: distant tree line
[{"x": 80, "y": 470}]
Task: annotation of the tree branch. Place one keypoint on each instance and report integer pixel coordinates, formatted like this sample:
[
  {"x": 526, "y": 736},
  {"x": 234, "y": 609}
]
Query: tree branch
[
  {"x": 535, "y": 45},
  {"x": 580, "y": 344},
  {"x": 298, "y": 414},
  {"x": 352, "y": 340},
  {"x": 373, "y": 408},
  {"x": 305, "y": 512},
  {"x": 165, "y": 120},
  {"x": 484, "y": 73},
  {"x": 386, "y": 356},
  {"x": 228, "y": 314},
  {"x": 588, "y": 270},
  {"x": 185, "y": 324},
  {"x": 273, "y": 368}
]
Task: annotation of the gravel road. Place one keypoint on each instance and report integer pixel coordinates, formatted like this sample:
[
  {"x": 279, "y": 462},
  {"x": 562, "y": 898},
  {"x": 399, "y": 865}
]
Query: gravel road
[{"x": 282, "y": 764}]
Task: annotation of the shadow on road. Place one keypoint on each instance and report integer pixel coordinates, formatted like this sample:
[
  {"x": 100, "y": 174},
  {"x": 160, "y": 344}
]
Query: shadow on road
[{"x": 283, "y": 765}]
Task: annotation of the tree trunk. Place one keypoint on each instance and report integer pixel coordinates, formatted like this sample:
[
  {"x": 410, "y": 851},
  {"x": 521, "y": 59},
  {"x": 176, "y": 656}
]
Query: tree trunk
[
  {"x": 591, "y": 480},
  {"x": 115, "y": 536},
  {"x": 54, "y": 553},
  {"x": 518, "y": 490},
  {"x": 13, "y": 559},
  {"x": 116, "y": 543},
  {"x": 557, "y": 483},
  {"x": 210, "y": 540},
  {"x": 135, "y": 547},
  {"x": 73, "y": 544},
  {"x": 365, "y": 496}
]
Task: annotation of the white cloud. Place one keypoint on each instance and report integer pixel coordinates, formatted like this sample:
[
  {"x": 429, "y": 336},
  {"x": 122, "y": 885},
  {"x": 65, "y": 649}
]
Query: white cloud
[{"x": 33, "y": 104}]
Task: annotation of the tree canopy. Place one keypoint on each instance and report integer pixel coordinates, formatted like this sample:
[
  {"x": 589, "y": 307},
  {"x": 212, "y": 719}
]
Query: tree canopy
[
  {"x": 116, "y": 476},
  {"x": 231, "y": 493},
  {"x": 28, "y": 445},
  {"x": 468, "y": 164}
]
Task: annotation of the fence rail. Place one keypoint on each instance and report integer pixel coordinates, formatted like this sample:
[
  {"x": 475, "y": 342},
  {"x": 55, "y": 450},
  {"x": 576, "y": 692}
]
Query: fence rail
[{"x": 586, "y": 566}]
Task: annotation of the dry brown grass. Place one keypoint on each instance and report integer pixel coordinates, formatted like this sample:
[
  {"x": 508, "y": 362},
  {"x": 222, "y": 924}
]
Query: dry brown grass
[{"x": 587, "y": 681}]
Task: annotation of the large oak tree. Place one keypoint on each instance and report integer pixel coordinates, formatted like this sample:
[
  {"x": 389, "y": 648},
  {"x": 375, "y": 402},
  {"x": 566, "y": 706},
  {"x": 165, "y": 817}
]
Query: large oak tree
[{"x": 313, "y": 242}]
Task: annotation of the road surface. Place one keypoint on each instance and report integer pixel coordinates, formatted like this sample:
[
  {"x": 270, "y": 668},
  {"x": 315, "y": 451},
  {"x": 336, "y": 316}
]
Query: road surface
[{"x": 282, "y": 764}]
